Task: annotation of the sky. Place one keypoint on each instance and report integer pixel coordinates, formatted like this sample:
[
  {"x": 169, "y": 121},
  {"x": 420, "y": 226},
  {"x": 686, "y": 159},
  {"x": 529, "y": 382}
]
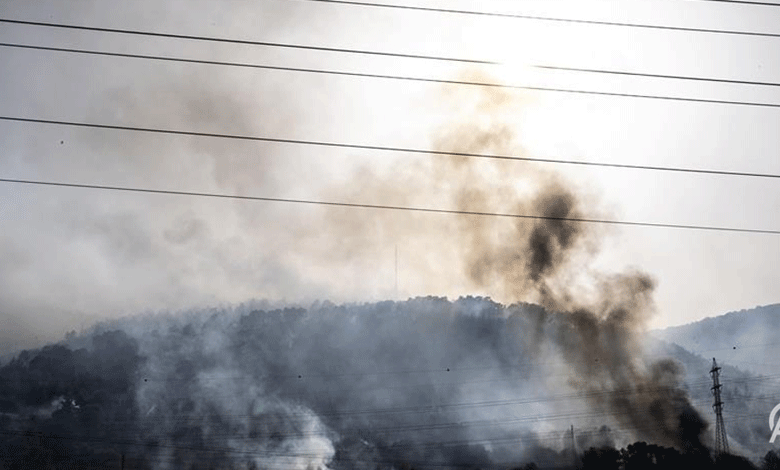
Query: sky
[{"x": 71, "y": 256}]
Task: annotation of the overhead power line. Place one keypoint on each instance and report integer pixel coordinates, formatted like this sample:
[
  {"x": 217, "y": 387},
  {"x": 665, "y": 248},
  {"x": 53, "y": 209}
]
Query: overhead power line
[
  {"x": 462, "y": 384},
  {"x": 246, "y": 42},
  {"x": 354, "y": 205},
  {"x": 423, "y": 426},
  {"x": 741, "y": 2},
  {"x": 225, "y": 448},
  {"x": 550, "y": 18},
  {"x": 443, "y": 81},
  {"x": 656, "y": 75},
  {"x": 358, "y": 52},
  {"x": 440, "y": 407},
  {"x": 409, "y": 150},
  {"x": 218, "y": 445}
]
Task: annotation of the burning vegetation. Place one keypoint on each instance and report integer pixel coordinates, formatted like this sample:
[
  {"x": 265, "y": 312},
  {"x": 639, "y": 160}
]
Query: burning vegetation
[{"x": 424, "y": 383}]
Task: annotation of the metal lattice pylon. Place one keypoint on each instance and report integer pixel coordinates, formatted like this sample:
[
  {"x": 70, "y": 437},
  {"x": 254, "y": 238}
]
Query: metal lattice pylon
[{"x": 721, "y": 441}]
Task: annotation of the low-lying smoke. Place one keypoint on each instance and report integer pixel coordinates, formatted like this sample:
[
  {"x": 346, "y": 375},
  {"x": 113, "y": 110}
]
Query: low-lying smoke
[
  {"x": 425, "y": 383},
  {"x": 541, "y": 258},
  {"x": 394, "y": 385}
]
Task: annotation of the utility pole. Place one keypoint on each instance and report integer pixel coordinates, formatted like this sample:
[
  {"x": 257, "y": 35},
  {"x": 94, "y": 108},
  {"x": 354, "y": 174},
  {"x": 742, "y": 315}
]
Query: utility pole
[{"x": 721, "y": 441}]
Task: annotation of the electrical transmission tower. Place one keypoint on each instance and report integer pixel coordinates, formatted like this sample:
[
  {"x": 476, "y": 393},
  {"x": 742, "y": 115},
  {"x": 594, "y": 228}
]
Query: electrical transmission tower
[{"x": 721, "y": 442}]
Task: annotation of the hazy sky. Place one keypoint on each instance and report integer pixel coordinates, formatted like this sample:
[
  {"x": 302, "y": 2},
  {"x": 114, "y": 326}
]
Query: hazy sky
[{"x": 71, "y": 256}]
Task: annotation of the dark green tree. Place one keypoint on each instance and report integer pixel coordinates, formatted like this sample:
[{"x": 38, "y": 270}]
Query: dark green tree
[{"x": 602, "y": 458}]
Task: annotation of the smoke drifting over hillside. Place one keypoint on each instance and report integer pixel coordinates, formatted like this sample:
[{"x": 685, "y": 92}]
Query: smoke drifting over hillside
[
  {"x": 545, "y": 259},
  {"x": 425, "y": 383}
]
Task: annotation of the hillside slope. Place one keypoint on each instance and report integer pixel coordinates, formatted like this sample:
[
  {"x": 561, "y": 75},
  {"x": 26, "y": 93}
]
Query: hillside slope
[{"x": 747, "y": 339}]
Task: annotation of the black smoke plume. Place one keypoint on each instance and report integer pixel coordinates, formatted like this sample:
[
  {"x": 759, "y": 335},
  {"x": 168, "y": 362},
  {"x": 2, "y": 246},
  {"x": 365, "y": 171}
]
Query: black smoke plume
[
  {"x": 425, "y": 383},
  {"x": 416, "y": 384}
]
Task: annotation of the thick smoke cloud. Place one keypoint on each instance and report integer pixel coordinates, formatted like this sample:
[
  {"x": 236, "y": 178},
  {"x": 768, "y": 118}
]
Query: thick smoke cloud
[
  {"x": 209, "y": 369},
  {"x": 291, "y": 384},
  {"x": 426, "y": 383},
  {"x": 539, "y": 259},
  {"x": 348, "y": 387}
]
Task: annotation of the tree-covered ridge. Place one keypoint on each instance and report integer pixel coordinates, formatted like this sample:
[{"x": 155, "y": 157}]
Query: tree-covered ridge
[{"x": 426, "y": 383}]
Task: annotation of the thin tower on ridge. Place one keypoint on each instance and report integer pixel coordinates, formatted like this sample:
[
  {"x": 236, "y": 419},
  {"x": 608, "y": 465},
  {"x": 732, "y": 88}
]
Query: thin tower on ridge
[{"x": 721, "y": 441}]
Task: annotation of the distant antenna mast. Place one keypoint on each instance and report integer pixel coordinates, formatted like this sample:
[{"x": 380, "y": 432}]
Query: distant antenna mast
[
  {"x": 396, "y": 272},
  {"x": 721, "y": 442},
  {"x": 575, "y": 460}
]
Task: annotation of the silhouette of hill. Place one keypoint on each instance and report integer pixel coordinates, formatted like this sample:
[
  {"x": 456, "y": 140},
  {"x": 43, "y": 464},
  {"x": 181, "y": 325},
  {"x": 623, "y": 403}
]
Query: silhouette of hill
[
  {"x": 425, "y": 383},
  {"x": 747, "y": 339}
]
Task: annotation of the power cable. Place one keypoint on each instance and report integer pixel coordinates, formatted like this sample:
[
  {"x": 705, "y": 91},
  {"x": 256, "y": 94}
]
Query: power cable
[
  {"x": 449, "y": 81},
  {"x": 741, "y": 2},
  {"x": 437, "y": 407},
  {"x": 656, "y": 75},
  {"x": 417, "y": 151},
  {"x": 423, "y": 411},
  {"x": 370, "y": 52},
  {"x": 549, "y": 18},
  {"x": 354, "y": 205},
  {"x": 213, "y": 449},
  {"x": 293, "y": 377},
  {"x": 150, "y": 441},
  {"x": 435, "y": 426},
  {"x": 246, "y": 42},
  {"x": 339, "y": 50},
  {"x": 461, "y": 385}
]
